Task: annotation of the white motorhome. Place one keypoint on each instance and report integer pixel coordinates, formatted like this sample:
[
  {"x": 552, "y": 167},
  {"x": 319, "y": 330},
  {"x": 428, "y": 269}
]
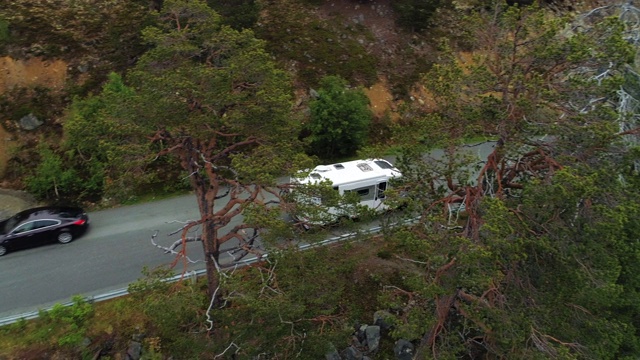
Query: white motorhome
[{"x": 369, "y": 179}]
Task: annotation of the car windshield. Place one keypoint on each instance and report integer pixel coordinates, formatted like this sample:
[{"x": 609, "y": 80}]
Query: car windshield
[
  {"x": 14, "y": 221},
  {"x": 10, "y": 224}
]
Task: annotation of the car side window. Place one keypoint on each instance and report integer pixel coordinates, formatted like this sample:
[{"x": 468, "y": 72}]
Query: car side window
[
  {"x": 24, "y": 227},
  {"x": 46, "y": 223}
]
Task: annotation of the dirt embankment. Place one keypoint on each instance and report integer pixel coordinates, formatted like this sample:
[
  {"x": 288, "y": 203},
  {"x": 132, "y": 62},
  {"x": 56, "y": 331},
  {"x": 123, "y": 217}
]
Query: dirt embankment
[
  {"x": 32, "y": 72},
  {"x": 23, "y": 73},
  {"x": 26, "y": 73}
]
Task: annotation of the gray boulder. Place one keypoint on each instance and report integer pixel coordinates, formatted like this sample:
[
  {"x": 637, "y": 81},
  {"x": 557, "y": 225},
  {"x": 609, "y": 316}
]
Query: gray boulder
[
  {"x": 380, "y": 318},
  {"x": 361, "y": 335},
  {"x": 351, "y": 353},
  {"x": 135, "y": 351},
  {"x": 332, "y": 354},
  {"x": 404, "y": 350},
  {"x": 30, "y": 122},
  {"x": 373, "y": 337}
]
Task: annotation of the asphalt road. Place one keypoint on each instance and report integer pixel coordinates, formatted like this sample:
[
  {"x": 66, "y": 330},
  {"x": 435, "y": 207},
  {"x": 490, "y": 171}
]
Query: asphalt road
[{"x": 110, "y": 255}]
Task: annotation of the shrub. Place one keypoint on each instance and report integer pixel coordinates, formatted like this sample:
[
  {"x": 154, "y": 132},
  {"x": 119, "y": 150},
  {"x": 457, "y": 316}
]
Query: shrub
[
  {"x": 4, "y": 32},
  {"x": 239, "y": 14},
  {"x": 51, "y": 179},
  {"x": 71, "y": 321},
  {"x": 174, "y": 311},
  {"x": 340, "y": 119},
  {"x": 416, "y": 15}
]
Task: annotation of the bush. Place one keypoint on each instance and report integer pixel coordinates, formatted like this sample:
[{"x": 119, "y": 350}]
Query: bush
[
  {"x": 416, "y": 15},
  {"x": 340, "y": 119},
  {"x": 51, "y": 179},
  {"x": 317, "y": 47},
  {"x": 239, "y": 14},
  {"x": 174, "y": 311},
  {"x": 71, "y": 321},
  {"x": 4, "y": 32}
]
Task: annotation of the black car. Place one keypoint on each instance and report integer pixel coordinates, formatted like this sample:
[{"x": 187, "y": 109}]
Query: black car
[{"x": 41, "y": 225}]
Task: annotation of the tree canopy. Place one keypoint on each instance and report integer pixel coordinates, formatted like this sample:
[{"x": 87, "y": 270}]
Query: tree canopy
[
  {"x": 536, "y": 261},
  {"x": 222, "y": 107},
  {"x": 339, "y": 120},
  {"x": 529, "y": 253}
]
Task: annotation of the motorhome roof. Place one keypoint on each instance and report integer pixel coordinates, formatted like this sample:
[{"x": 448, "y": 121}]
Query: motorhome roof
[{"x": 352, "y": 171}]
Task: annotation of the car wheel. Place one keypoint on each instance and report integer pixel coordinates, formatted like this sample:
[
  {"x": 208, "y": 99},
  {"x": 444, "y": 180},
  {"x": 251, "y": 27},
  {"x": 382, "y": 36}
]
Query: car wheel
[
  {"x": 3, "y": 250},
  {"x": 65, "y": 237}
]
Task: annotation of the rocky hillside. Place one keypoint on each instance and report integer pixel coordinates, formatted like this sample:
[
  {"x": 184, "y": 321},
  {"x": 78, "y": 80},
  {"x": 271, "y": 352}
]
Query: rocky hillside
[{"x": 41, "y": 76}]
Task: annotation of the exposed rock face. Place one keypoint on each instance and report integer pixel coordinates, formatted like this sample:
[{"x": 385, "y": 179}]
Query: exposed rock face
[{"x": 12, "y": 201}]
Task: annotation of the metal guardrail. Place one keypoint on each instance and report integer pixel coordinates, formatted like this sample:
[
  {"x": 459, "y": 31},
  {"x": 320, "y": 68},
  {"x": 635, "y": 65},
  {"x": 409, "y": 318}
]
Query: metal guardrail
[{"x": 124, "y": 291}]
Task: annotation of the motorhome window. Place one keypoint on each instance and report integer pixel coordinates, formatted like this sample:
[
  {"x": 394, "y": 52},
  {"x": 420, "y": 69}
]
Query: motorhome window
[
  {"x": 364, "y": 167},
  {"x": 315, "y": 176},
  {"x": 338, "y": 166},
  {"x": 381, "y": 189},
  {"x": 366, "y": 193},
  {"x": 384, "y": 164}
]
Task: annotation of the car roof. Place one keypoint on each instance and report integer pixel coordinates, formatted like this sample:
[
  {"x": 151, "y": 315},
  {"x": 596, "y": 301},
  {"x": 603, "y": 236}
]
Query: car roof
[{"x": 45, "y": 212}]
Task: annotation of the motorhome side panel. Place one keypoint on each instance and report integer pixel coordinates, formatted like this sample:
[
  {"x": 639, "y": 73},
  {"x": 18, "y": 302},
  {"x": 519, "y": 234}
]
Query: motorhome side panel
[{"x": 368, "y": 178}]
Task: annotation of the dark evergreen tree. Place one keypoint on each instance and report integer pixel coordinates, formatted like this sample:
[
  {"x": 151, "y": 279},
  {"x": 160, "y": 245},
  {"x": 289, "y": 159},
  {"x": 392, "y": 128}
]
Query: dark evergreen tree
[
  {"x": 339, "y": 120},
  {"x": 416, "y": 15}
]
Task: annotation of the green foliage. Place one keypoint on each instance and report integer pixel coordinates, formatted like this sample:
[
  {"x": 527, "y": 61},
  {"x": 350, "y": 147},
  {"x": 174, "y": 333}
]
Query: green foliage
[
  {"x": 103, "y": 37},
  {"x": 4, "y": 32},
  {"x": 339, "y": 120},
  {"x": 107, "y": 148},
  {"x": 153, "y": 280},
  {"x": 318, "y": 48},
  {"x": 176, "y": 318},
  {"x": 298, "y": 303},
  {"x": 78, "y": 26},
  {"x": 52, "y": 179},
  {"x": 416, "y": 15},
  {"x": 71, "y": 321},
  {"x": 21, "y": 101},
  {"x": 575, "y": 259},
  {"x": 551, "y": 273},
  {"x": 237, "y": 14},
  {"x": 218, "y": 79},
  {"x": 174, "y": 311},
  {"x": 547, "y": 274}
]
